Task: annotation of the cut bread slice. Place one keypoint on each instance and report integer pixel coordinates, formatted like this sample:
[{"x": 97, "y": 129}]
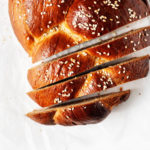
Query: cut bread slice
[
  {"x": 89, "y": 111},
  {"x": 71, "y": 65},
  {"x": 92, "y": 82}
]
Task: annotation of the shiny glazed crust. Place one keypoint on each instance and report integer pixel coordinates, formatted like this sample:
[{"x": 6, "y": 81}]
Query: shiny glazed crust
[
  {"x": 93, "y": 82},
  {"x": 93, "y": 111},
  {"x": 45, "y": 27},
  {"x": 74, "y": 64}
]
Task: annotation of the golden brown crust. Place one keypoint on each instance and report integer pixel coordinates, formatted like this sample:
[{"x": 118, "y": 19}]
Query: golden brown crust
[
  {"x": 74, "y": 64},
  {"x": 103, "y": 16},
  {"x": 19, "y": 25},
  {"x": 89, "y": 112},
  {"x": 93, "y": 82},
  {"x": 60, "y": 69},
  {"x": 35, "y": 21},
  {"x": 52, "y": 45},
  {"x": 40, "y": 14}
]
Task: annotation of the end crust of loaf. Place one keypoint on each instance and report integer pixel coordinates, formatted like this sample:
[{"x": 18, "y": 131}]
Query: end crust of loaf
[
  {"x": 93, "y": 82},
  {"x": 90, "y": 112},
  {"x": 71, "y": 65}
]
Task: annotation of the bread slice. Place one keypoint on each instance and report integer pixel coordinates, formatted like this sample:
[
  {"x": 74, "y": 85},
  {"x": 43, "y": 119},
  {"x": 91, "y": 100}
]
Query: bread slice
[
  {"x": 71, "y": 65},
  {"x": 89, "y": 111},
  {"x": 92, "y": 82}
]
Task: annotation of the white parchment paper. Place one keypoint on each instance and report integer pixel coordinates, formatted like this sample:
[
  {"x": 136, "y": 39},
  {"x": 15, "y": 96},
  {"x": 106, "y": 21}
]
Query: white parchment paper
[{"x": 127, "y": 128}]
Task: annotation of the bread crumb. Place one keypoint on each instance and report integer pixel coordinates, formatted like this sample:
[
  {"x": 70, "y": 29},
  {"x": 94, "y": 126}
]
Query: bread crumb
[{"x": 121, "y": 89}]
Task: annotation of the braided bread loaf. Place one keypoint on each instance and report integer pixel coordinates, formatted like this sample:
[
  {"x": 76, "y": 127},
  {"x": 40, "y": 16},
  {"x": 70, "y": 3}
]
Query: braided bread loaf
[{"x": 47, "y": 27}]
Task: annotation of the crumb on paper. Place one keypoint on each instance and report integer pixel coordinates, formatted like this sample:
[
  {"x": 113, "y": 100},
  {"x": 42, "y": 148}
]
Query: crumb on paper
[{"x": 121, "y": 89}]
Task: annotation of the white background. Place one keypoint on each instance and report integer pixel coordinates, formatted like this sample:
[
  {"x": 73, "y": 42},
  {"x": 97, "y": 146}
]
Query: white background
[{"x": 126, "y": 128}]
